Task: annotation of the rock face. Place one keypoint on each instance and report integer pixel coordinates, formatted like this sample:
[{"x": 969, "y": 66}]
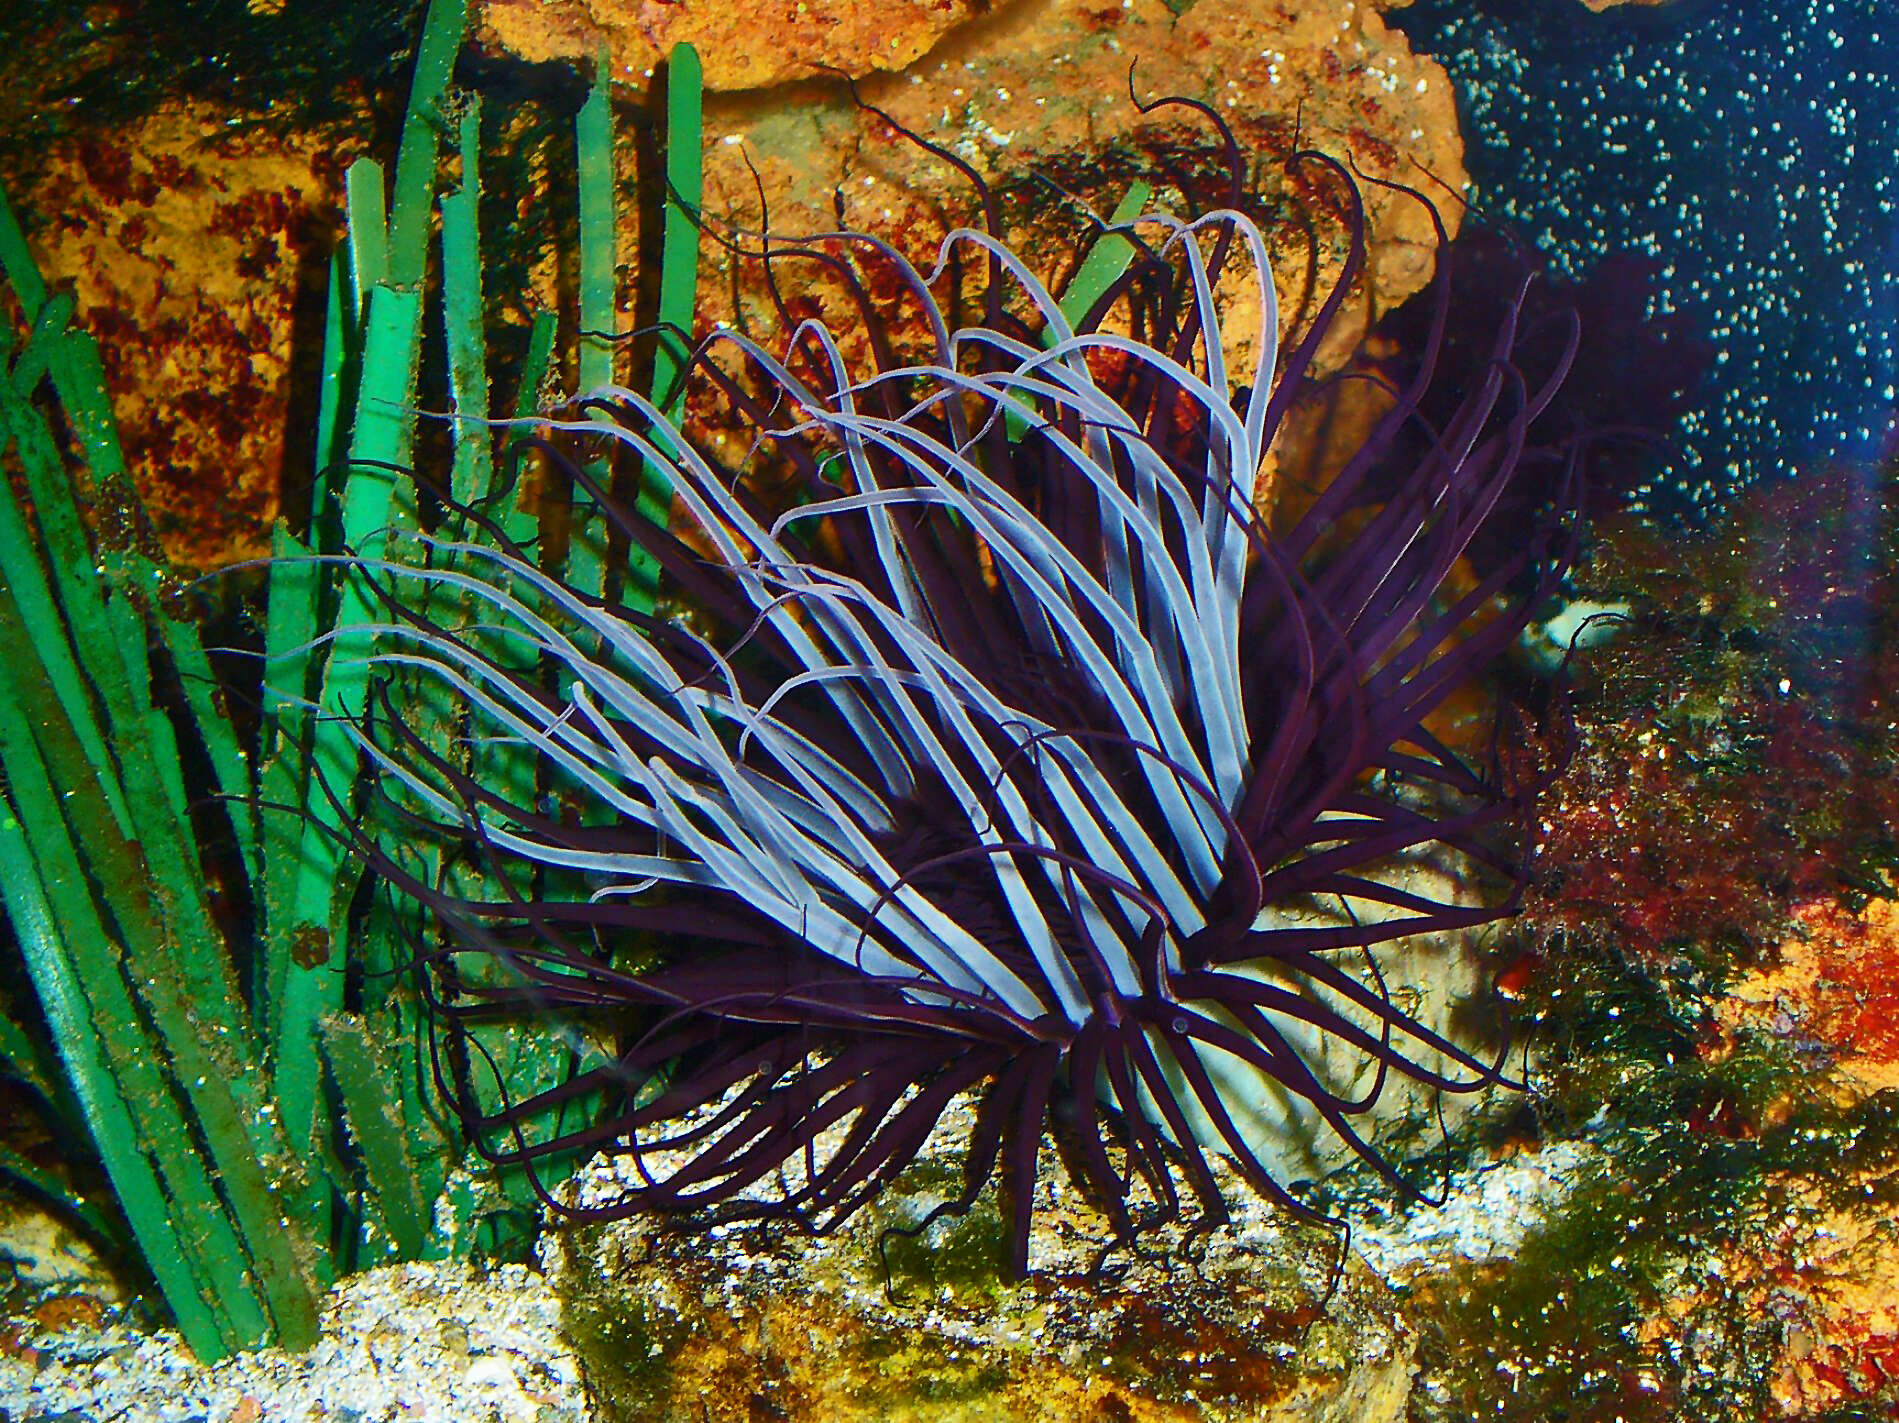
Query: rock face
[
  {"x": 1043, "y": 101},
  {"x": 195, "y": 251},
  {"x": 1042, "y": 98},
  {"x": 198, "y": 248},
  {"x": 881, "y": 1323},
  {"x": 751, "y": 45}
]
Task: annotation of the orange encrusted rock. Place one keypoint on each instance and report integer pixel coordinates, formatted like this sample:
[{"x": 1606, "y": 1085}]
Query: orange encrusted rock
[{"x": 744, "y": 45}]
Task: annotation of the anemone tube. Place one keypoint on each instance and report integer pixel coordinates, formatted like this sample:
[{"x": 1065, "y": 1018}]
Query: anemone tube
[{"x": 1013, "y": 760}]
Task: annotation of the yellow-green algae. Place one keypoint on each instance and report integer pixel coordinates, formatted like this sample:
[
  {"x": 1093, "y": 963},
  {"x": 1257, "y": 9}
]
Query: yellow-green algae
[{"x": 882, "y": 1321}]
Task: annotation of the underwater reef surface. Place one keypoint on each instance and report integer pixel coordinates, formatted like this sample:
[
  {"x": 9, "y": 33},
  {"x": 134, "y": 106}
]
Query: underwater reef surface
[
  {"x": 1711, "y": 1005},
  {"x": 1753, "y": 150}
]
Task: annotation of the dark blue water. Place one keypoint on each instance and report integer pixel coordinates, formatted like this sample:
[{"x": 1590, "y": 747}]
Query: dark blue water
[{"x": 1752, "y": 149}]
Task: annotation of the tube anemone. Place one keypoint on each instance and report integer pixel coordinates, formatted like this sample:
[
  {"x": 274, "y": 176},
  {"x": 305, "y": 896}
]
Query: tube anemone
[{"x": 1019, "y": 757}]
